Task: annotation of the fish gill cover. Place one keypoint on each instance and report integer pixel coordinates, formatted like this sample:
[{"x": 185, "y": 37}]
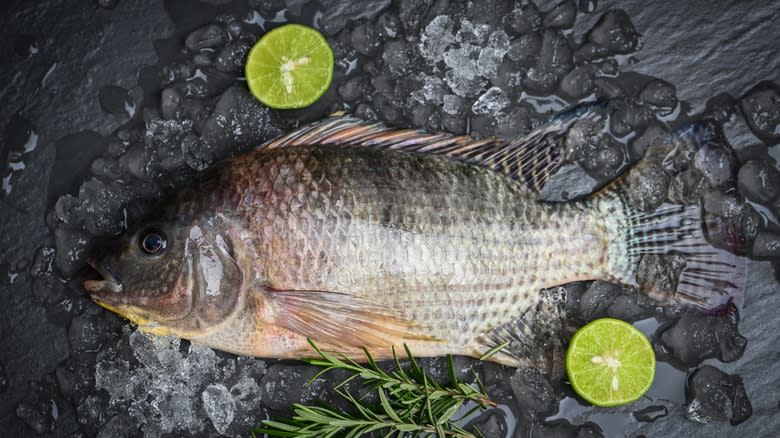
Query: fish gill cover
[{"x": 109, "y": 105}]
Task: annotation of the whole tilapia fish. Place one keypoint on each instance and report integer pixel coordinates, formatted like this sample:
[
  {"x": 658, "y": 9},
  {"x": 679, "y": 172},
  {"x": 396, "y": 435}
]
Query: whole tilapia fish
[{"x": 357, "y": 236}]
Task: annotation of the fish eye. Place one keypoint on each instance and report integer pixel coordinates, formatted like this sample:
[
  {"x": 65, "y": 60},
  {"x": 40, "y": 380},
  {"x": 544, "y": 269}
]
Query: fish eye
[{"x": 153, "y": 243}]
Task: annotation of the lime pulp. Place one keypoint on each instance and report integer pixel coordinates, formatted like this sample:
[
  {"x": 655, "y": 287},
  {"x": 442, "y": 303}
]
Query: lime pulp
[
  {"x": 289, "y": 67},
  {"x": 610, "y": 363}
]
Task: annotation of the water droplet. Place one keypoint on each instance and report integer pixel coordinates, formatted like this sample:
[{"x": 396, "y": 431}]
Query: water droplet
[
  {"x": 25, "y": 45},
  {"x": 116, "y": 100}
]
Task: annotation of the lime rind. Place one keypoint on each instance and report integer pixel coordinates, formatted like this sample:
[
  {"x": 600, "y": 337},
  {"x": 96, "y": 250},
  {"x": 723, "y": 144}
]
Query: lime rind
[
  {"x": 606, "y": 339},
  {"x": 289, "y": 67}
]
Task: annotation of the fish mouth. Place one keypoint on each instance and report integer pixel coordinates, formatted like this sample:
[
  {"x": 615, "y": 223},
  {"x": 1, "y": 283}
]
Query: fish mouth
[{"x": 109, "y": 283}]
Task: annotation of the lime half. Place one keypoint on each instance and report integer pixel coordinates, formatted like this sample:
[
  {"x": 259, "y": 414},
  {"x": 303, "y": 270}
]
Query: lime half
[
  {"x": 610, "y": 362},
  {"x": 289, "y": 67}
]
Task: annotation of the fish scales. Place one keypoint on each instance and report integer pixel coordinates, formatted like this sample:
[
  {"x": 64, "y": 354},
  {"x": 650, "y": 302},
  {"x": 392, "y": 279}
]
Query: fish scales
[
  {"x": 356, "y": 235},
  {"x": 457, "y": 248}
]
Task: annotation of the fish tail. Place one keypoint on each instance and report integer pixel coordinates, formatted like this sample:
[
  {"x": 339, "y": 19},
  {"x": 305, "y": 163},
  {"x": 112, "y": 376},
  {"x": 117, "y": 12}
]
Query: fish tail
[
  {"x": 666, "y": 253},
  {"x": 708, "y": 278}
]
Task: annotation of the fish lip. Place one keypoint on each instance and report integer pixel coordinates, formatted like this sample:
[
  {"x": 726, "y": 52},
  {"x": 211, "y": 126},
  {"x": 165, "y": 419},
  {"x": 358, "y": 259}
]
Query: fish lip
[
  {"x": 109, "y": 283},
  {"x": 96, "y": 286}
]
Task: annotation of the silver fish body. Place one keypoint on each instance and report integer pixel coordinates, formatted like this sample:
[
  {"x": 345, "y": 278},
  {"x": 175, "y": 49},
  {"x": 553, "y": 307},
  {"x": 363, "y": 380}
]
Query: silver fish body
[{"x": 375, "y": 247}]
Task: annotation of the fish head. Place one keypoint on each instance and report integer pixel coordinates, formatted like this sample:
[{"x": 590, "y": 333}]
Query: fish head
[{"x": 178, "y": 278}]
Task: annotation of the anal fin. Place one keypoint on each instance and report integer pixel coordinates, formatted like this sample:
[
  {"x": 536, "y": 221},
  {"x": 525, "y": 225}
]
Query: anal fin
[
  {"x": 534, "y": 339},
  {"x": 342, "y": 320}
]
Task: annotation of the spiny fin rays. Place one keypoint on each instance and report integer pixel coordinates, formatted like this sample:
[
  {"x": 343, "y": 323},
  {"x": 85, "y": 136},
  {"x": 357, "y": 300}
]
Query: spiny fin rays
[
  {"x": 533, "y": 339},
  {"x": 531, "y": 159}
]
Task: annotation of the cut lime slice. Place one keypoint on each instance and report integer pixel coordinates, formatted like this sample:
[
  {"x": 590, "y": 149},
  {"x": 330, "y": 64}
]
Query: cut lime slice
[
  {"x": 290, "y": 67},
  {"x": 610, "y": 363}
]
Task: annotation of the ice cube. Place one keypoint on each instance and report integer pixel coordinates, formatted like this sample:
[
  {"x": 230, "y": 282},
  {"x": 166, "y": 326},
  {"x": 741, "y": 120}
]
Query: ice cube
[
  {"x": 489, "y": 61},
  {"x": 659, "y": 93},
  {"x": 612, "y": 34},
  {"x": 761, "y": 106},
  {"x": 491, "y": 102},
  {"x": 396, "y": 57},
  {"x": 555, "y": 60},
  {"x": 219, "y": 406},
  {"x": 562, "y": 15},
  {"x": 694, "y": 338},
  {"x": 712, "y": 395},
  {"x": 489, "y": 423},
  {"x": 117, "y": 426},
  {"x": 436, "y": 37},
  {"x": 534, "y": 393},
  {"x": 207, "y": 37},
  {"x": 525, "y": 19},
  {"x": 759, "y": 181},
  {"x": 156, "y": 352}
]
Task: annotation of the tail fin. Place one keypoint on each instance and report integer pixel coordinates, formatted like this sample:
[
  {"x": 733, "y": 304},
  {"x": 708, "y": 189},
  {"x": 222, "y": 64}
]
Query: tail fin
[
  {"x": 707, "y": 278},
  {"x": 666, "y": 252}
]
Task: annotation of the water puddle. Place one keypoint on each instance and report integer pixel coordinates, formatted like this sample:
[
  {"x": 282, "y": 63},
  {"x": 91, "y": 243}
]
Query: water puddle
[
  {"x": 470, "y": 415},
  {"x": 544, "y": 104}
]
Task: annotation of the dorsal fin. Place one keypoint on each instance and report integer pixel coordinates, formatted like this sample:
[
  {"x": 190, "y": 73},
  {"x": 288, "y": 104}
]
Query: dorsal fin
[{"x": 531, "y": 159}]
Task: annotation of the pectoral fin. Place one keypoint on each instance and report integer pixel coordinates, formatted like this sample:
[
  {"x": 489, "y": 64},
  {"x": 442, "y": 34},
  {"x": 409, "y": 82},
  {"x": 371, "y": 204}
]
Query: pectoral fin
[{"x": 342, "y": 320}]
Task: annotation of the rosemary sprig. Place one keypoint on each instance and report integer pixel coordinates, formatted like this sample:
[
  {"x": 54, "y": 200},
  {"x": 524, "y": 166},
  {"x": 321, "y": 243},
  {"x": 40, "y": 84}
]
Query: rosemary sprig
[{"x": 410, "y": 403}]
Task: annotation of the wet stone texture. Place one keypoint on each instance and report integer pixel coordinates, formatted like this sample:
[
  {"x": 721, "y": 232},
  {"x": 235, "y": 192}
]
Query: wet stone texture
[
  {"x": 694, "y": 338},
  {"x": 716, "y": 396},
  {"x": 108, "y": 105}
]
